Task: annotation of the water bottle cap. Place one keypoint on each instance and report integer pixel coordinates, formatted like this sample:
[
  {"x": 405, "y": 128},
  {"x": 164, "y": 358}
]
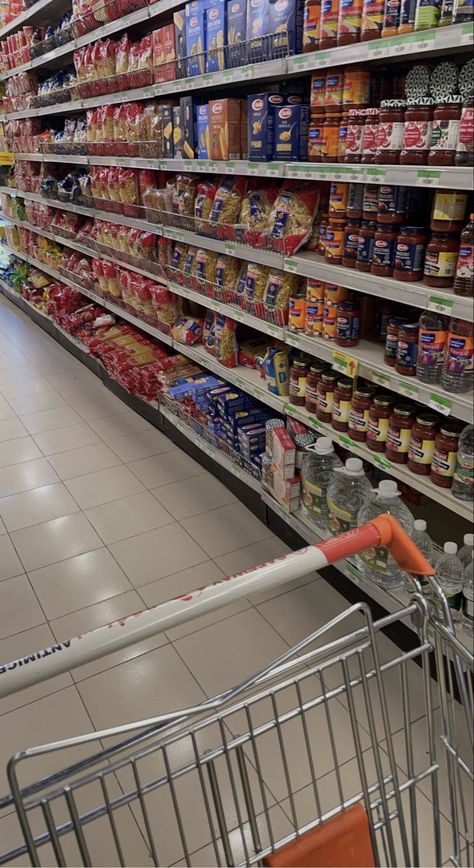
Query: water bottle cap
[
  {"x": 388, "y": 488},
  {"x": 450, "y": 548},
  {"x": 354, "y": 467},
  {"x": 420, "y": 524},
  {"x": 469, "y": 539},
  {"x": 324, "y": 446}
]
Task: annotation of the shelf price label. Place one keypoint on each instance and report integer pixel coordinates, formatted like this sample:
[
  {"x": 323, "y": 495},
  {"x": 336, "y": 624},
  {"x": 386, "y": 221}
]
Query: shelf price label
[
  {"x": 381, "y": 378},
  {"x": 408, "y": 390},
  {"x": 382, "y": 462},
  {"x": 441, "y": 404},
  {"x": 229, "y": 247},
  {"x": 428, "y": 177},
  {"x": 274, "y": 169},
  {"x": 467, "y": 34},
  {"x": 375, "y": 174},
  {"x": 254, "y": 168},
  {"x": 7, "y": 158},
  {"x": 290, "y": 265},
  {"x": 441, "y": 304},
  {"x": 345, "y": 364},
  {"x": 346, "y": 441}
]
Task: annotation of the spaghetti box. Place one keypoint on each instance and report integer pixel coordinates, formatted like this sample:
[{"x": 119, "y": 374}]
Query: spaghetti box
[
  {"x": 164, "y": 53},
  {"x": 216, "y": 35},
  {"x": 257, "y": 30},
  {"x": 283, "y": 453},
  {"x": 236, "y": 32},
  {"x": 224, "y": 129},
  {"x": 202, "y": 131},
  {"x": 180, "y": 42},
  {"x": 166, "y": 113},
  {"x": 189, "y": 130},
  {"x": 291, "y": 133},
  {"x": 285, "y": 24},
  {"x": 261, "y": 125},
  {"x": 195, "y": 29},
  {"x": 177, "y": 132}
]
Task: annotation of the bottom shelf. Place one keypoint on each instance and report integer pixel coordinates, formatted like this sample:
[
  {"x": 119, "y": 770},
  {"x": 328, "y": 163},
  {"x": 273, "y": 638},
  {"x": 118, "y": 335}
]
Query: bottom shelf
[{"x": 391, "y": 601}]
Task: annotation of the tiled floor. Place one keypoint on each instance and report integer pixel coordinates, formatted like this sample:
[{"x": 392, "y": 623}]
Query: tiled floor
[{"x": 101, "y": 516}]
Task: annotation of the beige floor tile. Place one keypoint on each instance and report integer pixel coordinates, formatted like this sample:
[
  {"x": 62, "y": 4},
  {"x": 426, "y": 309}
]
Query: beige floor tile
[
  {"x": 37, "y": 402},
  {"x": 19, "y": 646},
  {"x": 92, "y": 489},
  {"x": 128, "y": 516},
  {"x": 49, "y": 420},
  {"x": 157, "y": 553},
  {"x": 19, "y": 608},
  {"x": 37, "y": 505},
  {"x": 163, "y": 469},
  {"x": 97, "y": 408},
  {"x": 226, "y": 529},
  {"x": 85, "y": 459},
  {"x": 21, "y": 449},
  {"x": 18, "y": 387},
  {"x": 98, "y": 615},
  {"x": 64, "y": 439},
  {"x": 25, "y": 476},
  {"x": 141, "y": 445},
  {"x": 55, "y": 540},
  {"x": 119, "y": 425},
  {"x": 17, "y": 375},
  {"x": 11, "y": 428},
  {"x": 6, "y": 410},
  {"x": 78, "y": 582},
  {"x": 153, "y": 684},
  {"x": 230, "y": 651},
  {"x": 10, "y": 564},
  {"x": 193, "y": 496}
]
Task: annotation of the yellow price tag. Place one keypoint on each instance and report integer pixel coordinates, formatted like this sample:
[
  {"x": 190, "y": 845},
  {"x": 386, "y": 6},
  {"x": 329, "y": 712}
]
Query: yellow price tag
[
  {"x": 345, "y": 364},
  {"x": 7, "y": 158}
]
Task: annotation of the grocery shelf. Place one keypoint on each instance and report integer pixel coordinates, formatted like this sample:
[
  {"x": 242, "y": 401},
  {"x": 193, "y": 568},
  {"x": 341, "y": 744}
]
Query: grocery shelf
[
  {"x": 449, "y": 177},
  {"x": 39, "y": 10}
]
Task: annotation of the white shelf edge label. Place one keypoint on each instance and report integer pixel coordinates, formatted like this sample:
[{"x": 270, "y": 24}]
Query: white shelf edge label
[{"x": 441, "y": 404}]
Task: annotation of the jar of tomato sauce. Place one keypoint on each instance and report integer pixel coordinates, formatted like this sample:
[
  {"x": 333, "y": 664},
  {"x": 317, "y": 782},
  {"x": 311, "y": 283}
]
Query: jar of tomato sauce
[
  {"x": 383, "y": 254},
  {"x": 347, "y": 324},
  {"x": 379, "y": 416},
  {"x": 440, "y": 260},
  {"x": 391, "y": 342},
  {"x": 465, "y": 146},
  {"x": 399, "y": 433},
  {"x": 443, "y": 462},
  {"x": 353, "y": 139},
  {"x": 298, "y": 376},
  {"x": 366, "y": 245},
  {"x": 409, "y": 253},
  {"x": 330, "y": 145},
  {"x": 407, "y": 350},
  {"x": 372, "y": 20},
  {"x": 351, "y": 243},
  {"x": 334, "y": 246},
  {"x": 422, "y": 442},
  {"x": 390, "y": 131},
  {"x": 369, "y": 136},
  {"x": 445, "y": 131},
  {"x": 417, "y": 131},
  {"x": 314, "y": 375},
  {"x": 325, "y": 399},
  {"x": 355, "y": 199},
  {"x": 358, "y": 422},
  {"x": 449, "y": 208},
  {"x": 342, "y": 404},
  {"x": 392, "y": 204},
  {"x": 370, "y": 202}
]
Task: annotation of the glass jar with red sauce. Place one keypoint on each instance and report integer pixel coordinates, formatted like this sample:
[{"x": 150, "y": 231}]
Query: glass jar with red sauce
[
  {"x": 347, "y": 324},
  {"x": 445, "y": 131},
  {"x": 351, "y": 243},
  {"x": 369, "y": 136},
  {"x": 383, "y": 253},
  {"x": 379, "y": 416},
  {"x": 409, "y": 253},
  {"x": 465, "y": 145},
  {"x": 443, "y": 462},
  {"x": 440, "y": 260},
  {"x": 390, "y": 131},
  {"x": 370, "y": 202},
  {"x": 355, "y": 199},
  {"x": 366, "y": 245},
  {"x": 334, "y": 244},
  {"x": 298, "y": 377},
  {"x": 392, "y": 203},
  {"x": 449, "y": 209},
  {"x": 417, "y": 131},
  {"x": 400, "y": 426},
  {"x": 353, "y": 138},
  {"x": 316, "y": 368},
  {"x": 407, "y": 350},
  {"x": 326, "y": 387},
  {"x": 358, "y": 422},
  {"x": 391, "y": 342},
  {"x": 422, "y": 441},
  {"x": 330, "y": 146},
  {"x": 342, "y": 404}
]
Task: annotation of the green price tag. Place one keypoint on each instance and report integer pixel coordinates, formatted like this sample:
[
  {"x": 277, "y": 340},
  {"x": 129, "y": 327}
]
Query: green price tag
[
  {"x": 290, "y": 265},
  {"x": 346, "y": 441},
  {"x": 441, "y": 304},
  {"x": 427, "y": 177},
  {"x": 345, "y": 364},
  {"x": 441, "y": 404},
  {"x": 381, "y": 461}
]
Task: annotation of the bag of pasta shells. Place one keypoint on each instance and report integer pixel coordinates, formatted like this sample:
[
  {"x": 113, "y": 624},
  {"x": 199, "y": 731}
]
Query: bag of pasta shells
[
  {"x": 204, "y": 266},
  {"x": 184, "y": 197},
  {"x": 256, "y": 208},
  {"x": 205, "y": 194},
  {"x": 281, "y": 285},
  {"x": 291, "y": 220},
  {"x": 228, "y": 202},
  {"x": 257, "y": 276},
  {"x": 227, "y": 273}
]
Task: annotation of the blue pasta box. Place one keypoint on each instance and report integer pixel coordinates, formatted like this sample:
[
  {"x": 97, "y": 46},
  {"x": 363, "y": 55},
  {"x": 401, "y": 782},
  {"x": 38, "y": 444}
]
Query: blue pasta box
[
  {"x": 188, "y": 123},
  {"x": 257, "y": 30},
  {"x": 236, "y": 32},
  {"x": 202, "y": 131},
  {"x": 216, "y": 35},
  {"x": 291, "y": 133},
  {"x": 285, "y": 24},
  {"x": 261, "y": 124},
  {"x": 195, "y": 29},
  {"x": 180, "y": 42}
]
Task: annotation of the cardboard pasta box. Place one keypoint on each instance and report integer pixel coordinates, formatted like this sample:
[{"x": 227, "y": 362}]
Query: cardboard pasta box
[
  {"x": 261, "y": 124},
  {"x": 216, "y": 35},
  {"x": 202, "y": 131},
  {"x": 236, "y": 32},
  {"x": 224, "y": 129},
  {"x": 195, "y": 27}
]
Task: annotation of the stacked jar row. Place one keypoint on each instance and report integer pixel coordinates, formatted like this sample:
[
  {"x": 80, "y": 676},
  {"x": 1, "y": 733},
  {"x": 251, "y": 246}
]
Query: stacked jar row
[{"x": 402, "y": 432}]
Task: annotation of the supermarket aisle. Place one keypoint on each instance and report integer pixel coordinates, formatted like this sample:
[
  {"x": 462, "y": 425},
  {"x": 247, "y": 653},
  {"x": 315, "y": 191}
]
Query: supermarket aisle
[{"x": 101, "y": 516}]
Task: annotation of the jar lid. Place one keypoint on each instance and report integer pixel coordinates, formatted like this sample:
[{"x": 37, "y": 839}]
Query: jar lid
[
  {"x": 411, "y": 327},
  {"x": 329, "y": 375},
  {"x": 412, "y": 230},
  {"x": 300, "y": 363},
  {"x": 421, "y": 101},
  {"x": 364, "y": 392},
  {"x": 387, "y": 227},
  {"x": 383, "y": 400},
  {"x": 371, "y": 112},
  {"x": 417, "y": 81},
  {"x": 429, "y": 420},
  {"x": 392, "y": 103},
  {"x": 443, "y": 80},
  {"x": 466, "y": 78},
  {"x": 344, "y": 383},
  {"x": 451, "y": 99},
  {"x": 305, "y": 439},
  {"x": 451, "y": 429},
  {"x": 404, "y": 410},
  {"x": 397, "y": 320},
  {"x": 354, "y": 113}
]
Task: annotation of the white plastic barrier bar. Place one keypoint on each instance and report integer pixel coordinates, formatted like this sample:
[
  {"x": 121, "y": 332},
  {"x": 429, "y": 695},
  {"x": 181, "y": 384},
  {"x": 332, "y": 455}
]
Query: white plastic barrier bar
[{"x": 64, "y": 656}]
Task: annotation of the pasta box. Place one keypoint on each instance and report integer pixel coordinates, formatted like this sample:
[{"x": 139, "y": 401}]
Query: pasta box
[
  {"x": 216, "y": 35},
  {"x": 257, "y": 30},
  {"x": 202, "y": 131},
  {"x": 189, "y": 132},
  {"x": 177, "y": 132},
  {"x": 164, "y": 53},
  {"x": 285, "y": 24},
  {"x": 236, "y": 32},
  {"x": 291, "y": 133},
  {"x": 180, "y": 42},
  {"x": 224, "y": 129},
  {"x": 195, "y": 30},
  {"x": 261, "y": 124},
  {"x": 166, "y": 113}
]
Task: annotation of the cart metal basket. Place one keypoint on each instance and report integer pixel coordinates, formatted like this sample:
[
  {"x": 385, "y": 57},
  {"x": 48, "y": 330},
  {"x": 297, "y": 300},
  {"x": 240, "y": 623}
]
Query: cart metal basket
[{"x": 336, "y": 721}]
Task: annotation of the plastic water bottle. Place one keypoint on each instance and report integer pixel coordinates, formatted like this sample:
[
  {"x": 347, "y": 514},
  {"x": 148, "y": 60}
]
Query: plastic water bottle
[
  {"x": 463, "y": 483},
  {"x": 424, "y": 542},
  {"x": 348, "y": 490},
  {"x": 319, "y": 463},
  {"x": 376, "y": 563},
  {"x": 450, "y": 575},
  {"x": 465, "y": 553},
  {"x": 468, "y": 598},
  {"x": 456, "y": 374},
  {"x": 431, "y": 347}
]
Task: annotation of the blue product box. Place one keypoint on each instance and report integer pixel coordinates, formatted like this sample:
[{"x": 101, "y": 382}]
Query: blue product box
[
  {"x": 216, "y": 35},
  {"x": 257, "y": 30},
  {"x": 285, "y": 24},
  {"x": 236, "y": 32},
  {"x": 291, "y": 133},
  {"x": 180, "y": 42},
  {"x": 195, "y": 28},
  {"x": 261, "y": 124},
  {"x": 202, "y": 131}
]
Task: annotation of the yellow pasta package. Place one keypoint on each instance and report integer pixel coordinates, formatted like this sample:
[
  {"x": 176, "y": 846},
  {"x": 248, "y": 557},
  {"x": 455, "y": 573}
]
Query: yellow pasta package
[{"x": 224, "y": 129}]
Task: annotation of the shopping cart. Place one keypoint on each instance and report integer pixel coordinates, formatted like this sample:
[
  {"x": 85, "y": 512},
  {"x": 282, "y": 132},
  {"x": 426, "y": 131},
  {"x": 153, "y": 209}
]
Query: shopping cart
[{"x": 340, "y": 752}]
